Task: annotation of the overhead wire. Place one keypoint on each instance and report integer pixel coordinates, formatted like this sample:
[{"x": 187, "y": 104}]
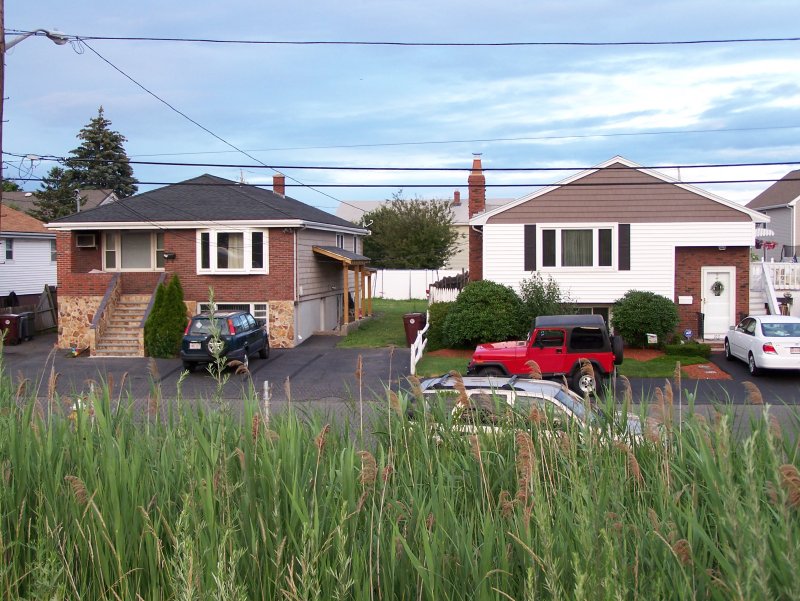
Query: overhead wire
[
  {"x": 191, "y": 120},
  {"x": 62, "y": 159},
  {"x": 512, "y": 44}
]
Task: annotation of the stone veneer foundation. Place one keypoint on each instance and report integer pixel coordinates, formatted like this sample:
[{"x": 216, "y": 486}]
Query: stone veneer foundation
[{"x": 75, "y": 314}]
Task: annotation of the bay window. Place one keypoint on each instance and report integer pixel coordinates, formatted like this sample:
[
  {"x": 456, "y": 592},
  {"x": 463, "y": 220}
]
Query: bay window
[{"x": 232, "y": 251}]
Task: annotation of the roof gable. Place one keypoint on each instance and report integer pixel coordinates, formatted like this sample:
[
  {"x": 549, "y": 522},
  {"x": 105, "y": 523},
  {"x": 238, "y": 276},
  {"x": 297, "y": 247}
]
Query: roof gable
[
  {"x": 782, "y": 193},
  {"x": 204, "y": 199},
  {"x": 617, "y": 190},
  {"x": 17, "y": 221}
]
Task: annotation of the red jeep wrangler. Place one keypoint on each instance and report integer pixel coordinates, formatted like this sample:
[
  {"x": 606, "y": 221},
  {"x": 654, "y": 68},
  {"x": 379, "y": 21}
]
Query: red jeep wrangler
[{"x": 557, "y": 343}]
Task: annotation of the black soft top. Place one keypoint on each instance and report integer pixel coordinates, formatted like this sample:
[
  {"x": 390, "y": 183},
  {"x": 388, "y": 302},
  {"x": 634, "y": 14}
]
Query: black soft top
[{"x": 549, "y": 321}]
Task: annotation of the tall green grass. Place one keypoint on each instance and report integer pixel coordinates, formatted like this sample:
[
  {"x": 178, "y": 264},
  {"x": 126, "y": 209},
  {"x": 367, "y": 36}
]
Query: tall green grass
[{"x": 105, "y": 503}]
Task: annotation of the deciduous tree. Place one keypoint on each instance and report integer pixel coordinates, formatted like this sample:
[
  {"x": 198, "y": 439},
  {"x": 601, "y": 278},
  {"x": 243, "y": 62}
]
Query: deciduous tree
[{"x": 410, "y": 234}]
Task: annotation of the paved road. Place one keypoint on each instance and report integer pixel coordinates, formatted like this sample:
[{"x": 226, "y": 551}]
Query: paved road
[{"x": 318, "y": 374}]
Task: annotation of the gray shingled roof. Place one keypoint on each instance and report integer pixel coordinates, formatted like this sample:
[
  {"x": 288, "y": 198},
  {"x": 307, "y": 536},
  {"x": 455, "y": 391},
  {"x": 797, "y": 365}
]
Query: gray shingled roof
[
  {"x": 778, "y": 194},
  {"x": 205, "y": 198}
]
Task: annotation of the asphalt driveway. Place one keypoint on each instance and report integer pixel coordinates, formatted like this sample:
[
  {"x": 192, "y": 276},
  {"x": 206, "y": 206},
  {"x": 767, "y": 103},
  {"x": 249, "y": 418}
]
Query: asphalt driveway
[{"x": 316, "y": 371}]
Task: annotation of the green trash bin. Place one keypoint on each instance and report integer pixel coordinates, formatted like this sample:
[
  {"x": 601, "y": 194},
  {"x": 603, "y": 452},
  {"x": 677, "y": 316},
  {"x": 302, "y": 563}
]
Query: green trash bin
[{"x": 26, "y": 325}]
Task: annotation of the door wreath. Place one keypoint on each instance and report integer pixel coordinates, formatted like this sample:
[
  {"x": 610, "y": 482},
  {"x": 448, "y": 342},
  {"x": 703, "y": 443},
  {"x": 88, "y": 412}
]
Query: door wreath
[{"x": 717, "y": 288}]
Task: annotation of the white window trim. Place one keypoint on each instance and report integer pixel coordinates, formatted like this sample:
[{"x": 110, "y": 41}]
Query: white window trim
[
  {"x": 339, "y": 240},
  {"x": 247, "y": 259},
  {"x": 118, "y": 254},
  {"x": 223, "y": 306},
  {"x": 595, "y": 227},
  {"x": 53, "y": 252},
  {"x": 7, "y": 242}
]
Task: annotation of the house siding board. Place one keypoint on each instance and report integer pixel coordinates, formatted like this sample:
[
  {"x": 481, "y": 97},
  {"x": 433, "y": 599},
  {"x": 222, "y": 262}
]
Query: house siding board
[
  {"x": 629, "y": 195},
  {"x": 317, "y": 276},
  {"x": 31, "y": 268},
  {"x": 781, "y": 224},
  {"x": 652, "y": 259}
]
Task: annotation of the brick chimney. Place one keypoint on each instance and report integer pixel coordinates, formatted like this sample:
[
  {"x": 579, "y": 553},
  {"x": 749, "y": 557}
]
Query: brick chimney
[
  {"x": 457, "y": 198},
  {"x": 279, "y": 184},
  {"x": 477, "y": 204}
]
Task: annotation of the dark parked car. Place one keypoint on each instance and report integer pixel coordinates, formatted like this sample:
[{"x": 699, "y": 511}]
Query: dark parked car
[{"x": 230, "y": 335}]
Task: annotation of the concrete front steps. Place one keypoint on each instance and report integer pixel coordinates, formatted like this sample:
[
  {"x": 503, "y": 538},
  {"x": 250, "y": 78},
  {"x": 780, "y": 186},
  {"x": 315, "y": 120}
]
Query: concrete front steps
[{"x": 122, "y": 336}]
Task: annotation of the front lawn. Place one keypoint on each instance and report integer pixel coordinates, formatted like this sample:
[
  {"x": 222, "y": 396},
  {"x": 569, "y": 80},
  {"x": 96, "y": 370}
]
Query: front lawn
[
  {"x": 659, "y": 367},
  {"x": 386, "y": 326}
]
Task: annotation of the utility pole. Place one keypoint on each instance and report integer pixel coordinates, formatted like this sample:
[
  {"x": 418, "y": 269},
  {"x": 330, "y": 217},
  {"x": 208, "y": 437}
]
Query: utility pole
[
  {"x": 2, "y": 98},
  {"x": 54, "y": 36}
]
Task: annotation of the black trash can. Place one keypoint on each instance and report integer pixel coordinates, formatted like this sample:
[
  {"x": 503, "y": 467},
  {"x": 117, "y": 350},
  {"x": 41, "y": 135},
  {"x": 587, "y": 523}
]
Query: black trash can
[
  {"x": 9, "y": 328},
  {"x": 26, "y": 325},
  {"x": 413, "y": 323}
]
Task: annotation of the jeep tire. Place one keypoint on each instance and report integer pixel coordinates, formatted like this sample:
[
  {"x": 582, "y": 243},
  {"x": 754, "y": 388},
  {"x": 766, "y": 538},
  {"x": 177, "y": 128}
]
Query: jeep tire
[{"x": 584, "y": 383}]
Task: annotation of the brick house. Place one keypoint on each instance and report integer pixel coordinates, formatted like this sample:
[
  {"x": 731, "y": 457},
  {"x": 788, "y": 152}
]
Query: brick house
[
  {"x": 294, "y": 265},
  {"x": 618, "y": 227}
]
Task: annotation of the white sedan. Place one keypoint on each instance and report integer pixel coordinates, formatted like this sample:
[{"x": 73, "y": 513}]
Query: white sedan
[{"x": 765, "y": 342}]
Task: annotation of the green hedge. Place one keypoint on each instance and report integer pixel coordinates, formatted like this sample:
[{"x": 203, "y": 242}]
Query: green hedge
[
  {"x": 437, "y": 313},
  {"x": 690, "y": 349}
]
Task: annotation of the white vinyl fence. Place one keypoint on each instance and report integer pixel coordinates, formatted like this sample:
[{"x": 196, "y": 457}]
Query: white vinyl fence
[{"x": 404, "y": 284}]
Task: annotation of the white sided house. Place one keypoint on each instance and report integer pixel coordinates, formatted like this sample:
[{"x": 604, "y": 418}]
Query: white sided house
[
  {"x": 27, "y": 257},
  {"x": 620, "y": 227}
]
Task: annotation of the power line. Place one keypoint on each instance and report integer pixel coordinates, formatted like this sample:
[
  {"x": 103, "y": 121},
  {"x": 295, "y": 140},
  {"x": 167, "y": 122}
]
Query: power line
[
  {"x": 457, "y": 185},
  {"x": 484, "y": 140},
  {"x": 82, "y": 43},
  {"x": 60, "y": 159},
  {"x": 707, "y": 41}
]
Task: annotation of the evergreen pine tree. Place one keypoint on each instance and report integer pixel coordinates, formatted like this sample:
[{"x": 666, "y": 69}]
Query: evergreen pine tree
[
  {"x": 100, "y": 161},
  {"x": 57, "y": 196}
]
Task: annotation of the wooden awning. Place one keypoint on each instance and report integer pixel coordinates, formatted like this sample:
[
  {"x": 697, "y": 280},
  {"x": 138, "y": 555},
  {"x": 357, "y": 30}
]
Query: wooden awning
[{"x": 346, "y": 257}]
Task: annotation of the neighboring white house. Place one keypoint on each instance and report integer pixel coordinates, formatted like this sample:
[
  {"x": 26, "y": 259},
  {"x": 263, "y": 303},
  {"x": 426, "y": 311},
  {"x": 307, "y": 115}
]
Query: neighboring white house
[
  {"x": 27, "y": 256},
  {"x": 781, "y": 240},
  {"x": 618, "y": 227}
]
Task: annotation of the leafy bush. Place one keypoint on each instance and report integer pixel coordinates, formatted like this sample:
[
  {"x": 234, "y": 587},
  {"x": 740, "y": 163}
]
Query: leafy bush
[
  {"x": 437, "y": 312},
  {"x": 690, "y": 349},
  {"x": 483, "y": 312},
  {"x": 541, "y": 297},
  {"x": 640, "y": 312},
  {"x": 164, "y": 328}
]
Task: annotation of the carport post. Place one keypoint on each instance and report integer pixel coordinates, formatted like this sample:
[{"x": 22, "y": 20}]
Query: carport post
[
  {"x": 346, "y": 272},
  {"x": 357, "y": 292}
]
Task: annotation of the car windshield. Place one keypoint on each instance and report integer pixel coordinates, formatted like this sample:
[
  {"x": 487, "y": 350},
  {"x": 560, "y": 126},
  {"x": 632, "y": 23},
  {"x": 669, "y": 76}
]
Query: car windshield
[
  {"x": 570, "y": 402},
  {"x": 781, "y": 330}
]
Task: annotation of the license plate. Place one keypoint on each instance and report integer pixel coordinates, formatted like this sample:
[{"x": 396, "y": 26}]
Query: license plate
[
  {"x": 195, "y": 346},
  {"x": 795, "y": 350}
]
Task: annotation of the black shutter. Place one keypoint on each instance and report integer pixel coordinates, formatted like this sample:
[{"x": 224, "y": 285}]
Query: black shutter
[
  {"x": 624, "y": 246},
  {"x": 548, "y": 248},
  {"x": 530, "y": 248}
]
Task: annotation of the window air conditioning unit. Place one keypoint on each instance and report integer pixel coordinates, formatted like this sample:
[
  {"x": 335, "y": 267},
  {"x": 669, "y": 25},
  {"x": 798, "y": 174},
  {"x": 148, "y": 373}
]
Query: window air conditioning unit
[{"x": 85, "y": 241}]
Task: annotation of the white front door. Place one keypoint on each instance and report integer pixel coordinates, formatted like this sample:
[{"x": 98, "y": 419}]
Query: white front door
[{"x": 719, "y": 300}]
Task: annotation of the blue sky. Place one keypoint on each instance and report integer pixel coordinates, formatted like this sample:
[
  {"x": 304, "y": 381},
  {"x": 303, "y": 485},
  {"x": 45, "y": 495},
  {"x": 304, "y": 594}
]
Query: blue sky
[{"x": 376, "y": 106}]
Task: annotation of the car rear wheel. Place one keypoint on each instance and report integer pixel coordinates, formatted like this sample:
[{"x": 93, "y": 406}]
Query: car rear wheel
[
  {"x": 584, "y": 382},
  {"x": 728, "y": 354},
  {"x": 264, "y": 352},
  {"x": 754, "y": 369}
]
